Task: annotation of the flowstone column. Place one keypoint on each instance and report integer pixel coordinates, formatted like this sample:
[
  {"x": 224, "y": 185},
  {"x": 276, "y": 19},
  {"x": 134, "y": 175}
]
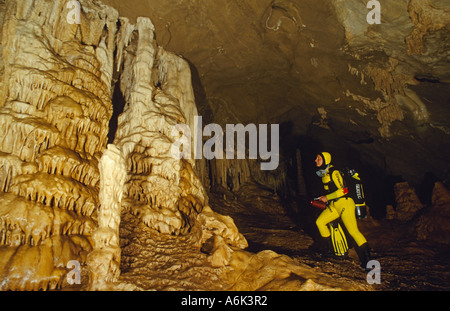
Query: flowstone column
[{"x": 103, "y": 262}]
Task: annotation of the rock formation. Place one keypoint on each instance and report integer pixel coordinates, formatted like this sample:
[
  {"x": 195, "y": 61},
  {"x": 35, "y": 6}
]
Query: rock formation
[
  {"x": 64, "y": 191},
  {"x": 268, "y": 270},
  {"x": 59, "y": 194},
  {"x": 429, "y": 222},
  {"x": 163, "y": 190},
  {"x": 408, "y": 203},
  {"x": 103, "y": 262},
  {"x": 55, "y": 105},
  {"x": 432, "y": 225}
]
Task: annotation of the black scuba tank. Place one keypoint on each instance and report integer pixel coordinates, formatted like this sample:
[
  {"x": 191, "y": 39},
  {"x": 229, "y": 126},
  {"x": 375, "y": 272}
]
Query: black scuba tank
[{"x": 355, "y": 189}]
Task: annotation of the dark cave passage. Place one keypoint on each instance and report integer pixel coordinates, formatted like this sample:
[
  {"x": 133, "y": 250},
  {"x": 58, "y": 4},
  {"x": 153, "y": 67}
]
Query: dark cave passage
[{"x": 118, "y": 106}]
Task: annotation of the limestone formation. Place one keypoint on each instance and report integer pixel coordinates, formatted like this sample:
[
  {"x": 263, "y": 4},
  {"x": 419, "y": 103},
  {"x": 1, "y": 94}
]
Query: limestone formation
[
  {"x": 55, "y": 105},
  {"x": 163, "y": 191},
  {"x": 433, "y": 224},
  {"x": 65, "y": 192},
  {"x": 427, "y": 17},
  {"x": 103, "y": 262},
  {"x": 401, "y": 38},
  {"x": 408, "y": 203},
  {"x": 268, "y": 270},
  {"x": 61, "y": 188},
  {"x": 167, "y": 193}
]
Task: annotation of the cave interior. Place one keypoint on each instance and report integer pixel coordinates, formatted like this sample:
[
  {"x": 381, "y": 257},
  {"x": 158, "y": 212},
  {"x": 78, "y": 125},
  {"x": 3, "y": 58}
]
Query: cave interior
[{"x": 375, "y": 95}]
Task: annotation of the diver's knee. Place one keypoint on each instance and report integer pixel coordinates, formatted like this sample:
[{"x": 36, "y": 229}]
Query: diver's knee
[{"x": 319, "y": 222}]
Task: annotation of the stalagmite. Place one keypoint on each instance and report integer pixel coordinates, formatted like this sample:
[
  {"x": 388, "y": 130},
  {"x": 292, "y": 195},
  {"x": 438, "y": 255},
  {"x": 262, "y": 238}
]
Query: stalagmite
[
  {"x": 145, "y": 134},
  {"x": 408, "y": 203},
  {"x": 164, "y": 192},
  {"x": 103, "y": 262},
  {"x": 225, "y": 227}
]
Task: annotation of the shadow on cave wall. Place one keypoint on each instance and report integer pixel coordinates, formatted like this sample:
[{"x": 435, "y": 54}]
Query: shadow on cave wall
[
  {"x": 201, "y": 100},
  {"x": 118, "y": 102}
]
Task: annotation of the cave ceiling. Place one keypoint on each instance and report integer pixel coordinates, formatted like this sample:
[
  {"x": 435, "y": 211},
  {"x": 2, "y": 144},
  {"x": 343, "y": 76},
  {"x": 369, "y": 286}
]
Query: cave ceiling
[{"x": 321, "y": 67}]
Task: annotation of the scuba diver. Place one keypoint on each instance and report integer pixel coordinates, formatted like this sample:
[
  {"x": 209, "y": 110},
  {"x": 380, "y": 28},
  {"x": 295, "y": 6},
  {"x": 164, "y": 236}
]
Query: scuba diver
[{"x": 338, "y": 205}]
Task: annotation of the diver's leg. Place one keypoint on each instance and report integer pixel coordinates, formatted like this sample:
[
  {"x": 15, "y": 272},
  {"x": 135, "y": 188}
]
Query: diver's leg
[
  {"x": 328, "y": 215},
  {"x": 349, "y": 219},
  {"x": 347, "y": 208},
  {"x": 325, "y": 247}
]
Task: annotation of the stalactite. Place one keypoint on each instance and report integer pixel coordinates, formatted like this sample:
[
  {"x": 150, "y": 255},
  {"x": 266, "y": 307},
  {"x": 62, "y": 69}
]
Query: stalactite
[
  {"x": 231, "y": 174},
  {"x": 36, "y": 222}
]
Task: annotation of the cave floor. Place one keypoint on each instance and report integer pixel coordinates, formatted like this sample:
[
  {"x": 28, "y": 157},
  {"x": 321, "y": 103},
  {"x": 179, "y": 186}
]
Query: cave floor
[
  {"x": 151, "y": 261},
  {"x": 288, "y": 227}
]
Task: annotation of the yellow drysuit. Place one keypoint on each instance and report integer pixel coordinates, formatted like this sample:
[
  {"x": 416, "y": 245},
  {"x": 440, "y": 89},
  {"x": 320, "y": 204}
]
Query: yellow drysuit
[{"x": 339, "y": 206}]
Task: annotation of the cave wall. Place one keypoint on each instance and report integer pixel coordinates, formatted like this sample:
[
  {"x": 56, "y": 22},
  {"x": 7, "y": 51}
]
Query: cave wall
[{"x": 381, "y": 89}]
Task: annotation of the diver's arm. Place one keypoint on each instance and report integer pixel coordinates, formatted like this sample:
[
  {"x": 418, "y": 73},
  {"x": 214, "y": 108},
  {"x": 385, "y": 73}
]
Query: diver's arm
[{"x": 336, "y": 177}]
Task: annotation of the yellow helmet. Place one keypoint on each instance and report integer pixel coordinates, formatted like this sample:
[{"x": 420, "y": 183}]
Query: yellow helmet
[{"x": 326, "y": 158}]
